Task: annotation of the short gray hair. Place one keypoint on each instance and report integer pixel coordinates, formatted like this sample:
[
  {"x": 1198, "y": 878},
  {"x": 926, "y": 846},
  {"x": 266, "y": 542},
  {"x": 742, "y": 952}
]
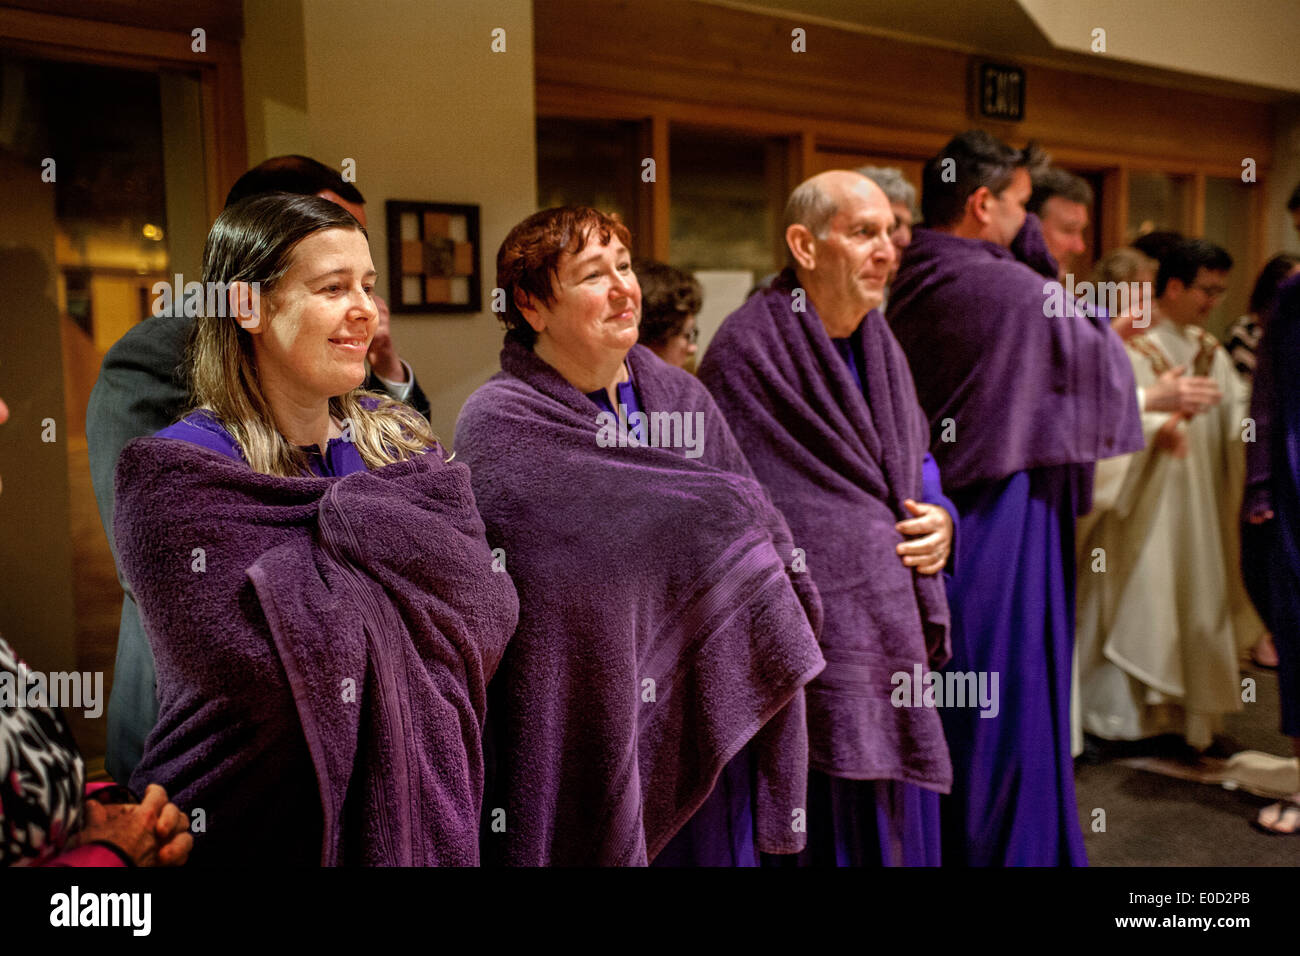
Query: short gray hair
[
  {"x": 893, "y": 184},
  {"x": 808, "y": 206}
]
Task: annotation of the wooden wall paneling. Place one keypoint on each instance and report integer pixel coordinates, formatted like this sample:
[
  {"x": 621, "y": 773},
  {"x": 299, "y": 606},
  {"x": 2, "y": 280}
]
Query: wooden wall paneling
[
  {"x": 805, "y": 154},
  {"x": 643, "y": 236},
  {"x": 1181, "y": 165},
  {"x": 689, "y": 53},
  {"x": 819, "y": 133},
  {"x": 661, "y": 189},
  {"x": 1195, "y": 204},
  {"x": 859, "y": 93},
  {"x": 113, "y": 44},
  {"x": 231, "y": 143},
  {"x": 1114, "y": 201},
  {"x": 696, "y": 53},
  {"x": 833, "y": 135},
  {"x": 78, "y": 34},
  {"x": 780, "y": 169},
  {"x": 910, "y": 166},
  {"x": 224, "y": 133},
  {"x": 220, "y": 18},
  {"x": 1103, "y": 114},
  {"x": 1259, "y": 215},
  {"x": 212, "y": 165}
]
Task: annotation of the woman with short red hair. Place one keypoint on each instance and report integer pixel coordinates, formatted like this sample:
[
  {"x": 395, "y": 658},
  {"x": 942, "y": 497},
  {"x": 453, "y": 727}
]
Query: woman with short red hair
[{"x": 650, "y": 704}]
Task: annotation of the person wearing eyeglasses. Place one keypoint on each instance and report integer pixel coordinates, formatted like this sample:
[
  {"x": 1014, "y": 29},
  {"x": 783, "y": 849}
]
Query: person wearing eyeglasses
[
  {"x": 670, "y": 300},
  {"x": 902, "y": 203},
  {"x": 1170, "y": 660}
]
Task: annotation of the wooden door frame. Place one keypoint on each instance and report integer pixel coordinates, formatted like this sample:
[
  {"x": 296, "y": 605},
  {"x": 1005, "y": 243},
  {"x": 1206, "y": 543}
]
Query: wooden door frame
[
  {"x": 807, "y": 135},
  {"x": 225, "y": 149}
]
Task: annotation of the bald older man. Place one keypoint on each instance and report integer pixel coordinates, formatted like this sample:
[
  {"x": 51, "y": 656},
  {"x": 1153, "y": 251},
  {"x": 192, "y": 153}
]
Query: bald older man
[{"x": 821, "y": 400}]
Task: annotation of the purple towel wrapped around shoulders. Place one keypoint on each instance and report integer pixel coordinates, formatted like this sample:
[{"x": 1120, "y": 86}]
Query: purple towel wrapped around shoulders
[
  {"x": 323, "y": 647},
  {"x": 1009, "y": 383},
  {"x": 660, "y": 631},
  {"x": 1030, "y": 247},
  {"x": 839, "y": 464}
]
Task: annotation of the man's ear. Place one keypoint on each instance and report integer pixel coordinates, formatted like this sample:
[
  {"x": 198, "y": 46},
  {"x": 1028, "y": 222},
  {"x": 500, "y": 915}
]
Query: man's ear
[
  {"x": 978, "y": 204},
  {"x": 801, "y": 242},
  {"x": 245, "y": 301},
  {"x": 529, "y": 311}
]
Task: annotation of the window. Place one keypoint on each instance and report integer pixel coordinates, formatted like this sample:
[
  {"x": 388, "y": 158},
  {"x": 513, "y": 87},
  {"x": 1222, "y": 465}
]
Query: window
[
  {"x": 1158, "y": 202},
  {"x": 591, "y": 163},
  {"x": 728, "y": 195},
  {"x": 1228, "y": 204}
]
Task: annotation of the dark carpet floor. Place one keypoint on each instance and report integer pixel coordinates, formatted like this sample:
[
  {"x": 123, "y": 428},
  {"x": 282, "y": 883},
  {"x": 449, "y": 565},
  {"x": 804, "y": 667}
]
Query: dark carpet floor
[{"x": 1154, "y": 820}]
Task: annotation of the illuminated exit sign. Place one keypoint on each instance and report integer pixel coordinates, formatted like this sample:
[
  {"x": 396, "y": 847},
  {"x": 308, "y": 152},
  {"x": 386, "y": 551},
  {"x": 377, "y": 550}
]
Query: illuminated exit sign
[{"x": 1000, "y": 92}]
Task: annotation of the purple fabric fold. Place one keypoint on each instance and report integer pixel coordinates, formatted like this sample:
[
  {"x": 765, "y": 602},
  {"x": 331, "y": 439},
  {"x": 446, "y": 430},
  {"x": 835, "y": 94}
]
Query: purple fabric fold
[
  {"x": 1263, "y": 402},
  {"x": 1030, "y": 247},
  {"x": 1270, "y": 552},
  {"x": 1023, "y": 388},
  {"x": 323, "y": 648},
  {"x": 838, "y": 462},
  {"x": 660, "y": 631}
]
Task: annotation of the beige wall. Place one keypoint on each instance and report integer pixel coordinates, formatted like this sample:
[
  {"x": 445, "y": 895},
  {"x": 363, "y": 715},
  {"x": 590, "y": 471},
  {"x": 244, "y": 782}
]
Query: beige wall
[
  {"x": 412, "y": 91},
  {"x": 1253, "y": 42},
  {"x": 275, "y": 79}
]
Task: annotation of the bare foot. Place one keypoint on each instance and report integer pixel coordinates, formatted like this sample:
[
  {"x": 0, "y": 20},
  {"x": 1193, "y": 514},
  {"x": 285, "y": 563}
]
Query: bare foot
[
  {"x": 1264, "y": 653},
  {"x": 1282, "y": 818}
]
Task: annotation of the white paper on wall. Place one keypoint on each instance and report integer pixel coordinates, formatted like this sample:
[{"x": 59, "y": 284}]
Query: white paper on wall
[{"x": 724, "y": 292}]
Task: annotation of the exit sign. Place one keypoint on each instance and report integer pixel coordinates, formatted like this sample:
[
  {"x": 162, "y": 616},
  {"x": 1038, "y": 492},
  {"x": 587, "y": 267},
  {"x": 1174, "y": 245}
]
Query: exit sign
[{"x": 1000, "y": 92}]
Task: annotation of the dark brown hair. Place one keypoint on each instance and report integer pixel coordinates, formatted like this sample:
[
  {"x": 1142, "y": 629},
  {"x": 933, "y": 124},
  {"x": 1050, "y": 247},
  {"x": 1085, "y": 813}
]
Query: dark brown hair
[
  {"x": 977, "y": 159},
  {"x": 668, "y": 297}
]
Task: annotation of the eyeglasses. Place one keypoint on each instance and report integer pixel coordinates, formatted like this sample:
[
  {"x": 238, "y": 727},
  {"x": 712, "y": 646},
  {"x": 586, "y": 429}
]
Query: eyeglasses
[
  {"x": 1210, "y": 291},
  {"x": 691, "y": 337}
]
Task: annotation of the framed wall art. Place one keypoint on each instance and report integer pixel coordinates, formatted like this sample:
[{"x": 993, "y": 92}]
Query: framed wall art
[{"x": 433, "y": 257}]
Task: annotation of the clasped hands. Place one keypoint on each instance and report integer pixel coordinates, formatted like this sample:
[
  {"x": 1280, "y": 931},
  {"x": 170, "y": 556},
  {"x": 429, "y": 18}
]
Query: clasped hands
[
  {"x": 1185, "y": 396},
  {"x": 153, "y": 832}
]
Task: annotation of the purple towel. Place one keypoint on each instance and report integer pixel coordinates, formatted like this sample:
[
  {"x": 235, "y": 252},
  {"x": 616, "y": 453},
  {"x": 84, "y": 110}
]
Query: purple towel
[
  {"x": 1030, "y": 247},
  {"x": 659, "y": 628},
  {"x": 838, "y": 465},
  {"x": 323, "y": 648},
  {"x": 1023, "y": 389}
]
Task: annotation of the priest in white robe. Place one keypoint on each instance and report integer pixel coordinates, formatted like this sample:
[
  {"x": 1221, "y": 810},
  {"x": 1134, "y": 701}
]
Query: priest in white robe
[{"x": 1162, "y": 611}]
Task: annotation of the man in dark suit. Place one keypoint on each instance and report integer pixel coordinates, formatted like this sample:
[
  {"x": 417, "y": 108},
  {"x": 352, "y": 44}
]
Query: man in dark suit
[{"x": 141, "y": 390}]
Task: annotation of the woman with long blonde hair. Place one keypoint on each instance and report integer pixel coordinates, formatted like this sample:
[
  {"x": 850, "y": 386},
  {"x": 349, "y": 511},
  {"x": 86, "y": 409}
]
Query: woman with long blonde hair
[
  {"x": 311, "y": 571},
  {"x": 279, "y": 386}
]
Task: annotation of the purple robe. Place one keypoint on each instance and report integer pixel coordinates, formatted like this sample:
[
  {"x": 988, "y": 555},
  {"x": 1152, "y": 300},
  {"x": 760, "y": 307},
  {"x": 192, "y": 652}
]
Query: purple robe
[
  {"x": 200, "y": 427},
  {"x": 323, "y": 648},
  {"x": 660, "y": 630},
  {"x": 834, "y": 433},
  {"x": 1270, "y": 552},
  {"x": 1021, "y": 403}
]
